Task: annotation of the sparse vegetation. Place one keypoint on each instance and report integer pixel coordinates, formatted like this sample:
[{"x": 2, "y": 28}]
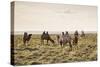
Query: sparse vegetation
[{"x": 35, "y": 53}]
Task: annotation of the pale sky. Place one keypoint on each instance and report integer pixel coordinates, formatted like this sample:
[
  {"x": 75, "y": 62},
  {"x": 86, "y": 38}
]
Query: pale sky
[{"x": 30, "y": 16}]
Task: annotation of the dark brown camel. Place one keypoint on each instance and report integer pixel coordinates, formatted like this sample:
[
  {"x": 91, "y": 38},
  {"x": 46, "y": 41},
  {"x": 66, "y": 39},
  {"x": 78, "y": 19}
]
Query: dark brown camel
[
  {"x": 46, "y": 36},
  {"x": 26, "y": 38},
  {"x": 75, "y": 39}
]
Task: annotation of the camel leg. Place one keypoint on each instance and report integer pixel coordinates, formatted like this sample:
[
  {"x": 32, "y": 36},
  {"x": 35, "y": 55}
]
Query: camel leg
[
  {"x": 70, "y": 45},
  {"x": 47, "y": 42},
  {"x": 61, "y": 44},
  {"x": 25, "y": 43},
  {"x": 77, "y": 45},
  {"x": 72, "y": 42}
]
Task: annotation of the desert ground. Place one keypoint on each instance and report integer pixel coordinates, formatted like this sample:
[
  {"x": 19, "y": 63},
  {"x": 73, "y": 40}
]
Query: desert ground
[{"x": 37, "y": 53}]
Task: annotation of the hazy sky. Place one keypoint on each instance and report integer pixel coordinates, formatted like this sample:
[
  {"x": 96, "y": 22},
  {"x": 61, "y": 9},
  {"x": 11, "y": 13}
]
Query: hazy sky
[{"x": 54, "y": 17}]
